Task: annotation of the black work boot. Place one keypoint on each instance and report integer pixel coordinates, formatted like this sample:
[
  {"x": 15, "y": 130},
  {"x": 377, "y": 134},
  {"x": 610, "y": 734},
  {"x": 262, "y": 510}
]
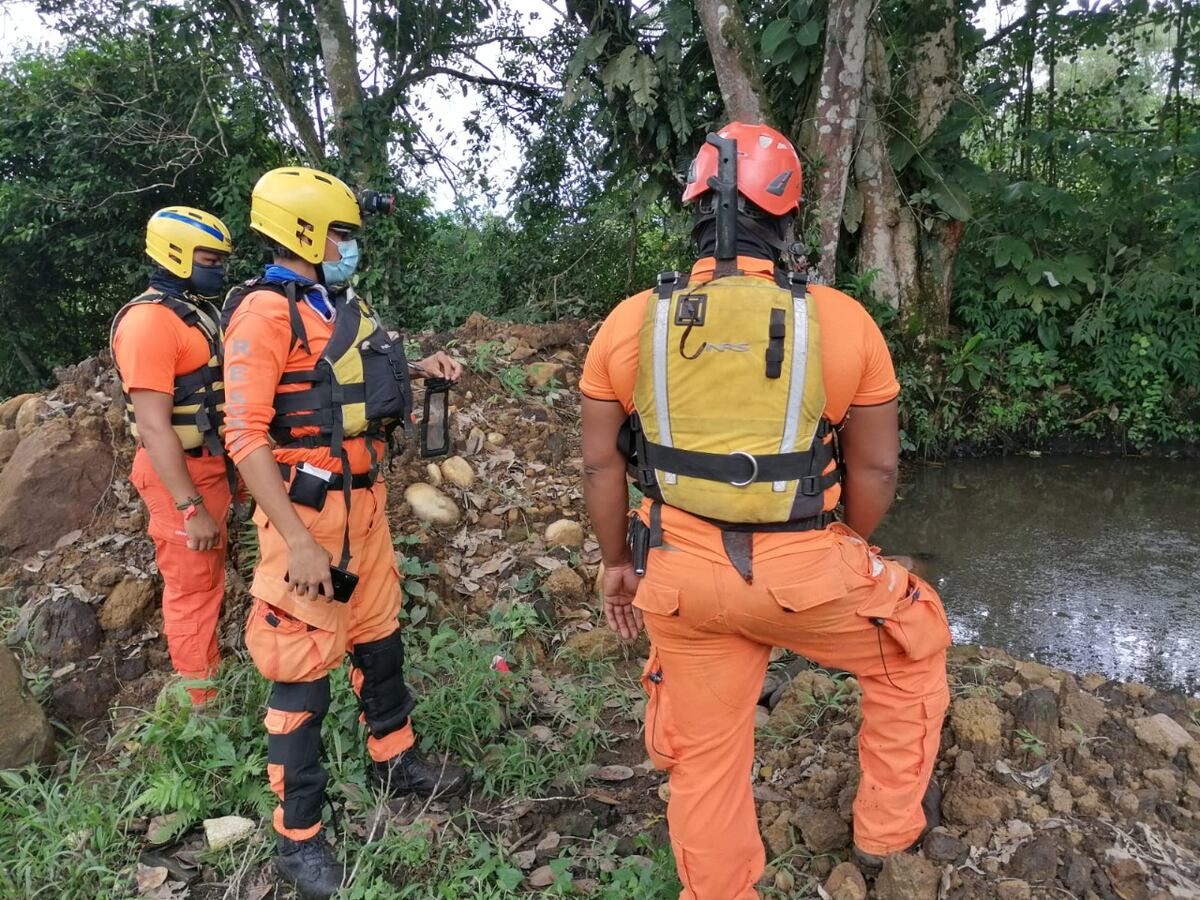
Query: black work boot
[
  {"x": 410, "y": 773},
  {"x": 309, "y": 866},
  {"x": 931, "y": 805}
]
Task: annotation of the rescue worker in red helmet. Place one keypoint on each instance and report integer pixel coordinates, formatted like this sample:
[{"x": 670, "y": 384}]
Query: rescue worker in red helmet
[{"x": 748, "y": 404}]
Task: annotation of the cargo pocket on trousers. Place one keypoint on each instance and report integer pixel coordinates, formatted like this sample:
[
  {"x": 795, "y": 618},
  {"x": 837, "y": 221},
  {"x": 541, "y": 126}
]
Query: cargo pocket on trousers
[
  {"x": 283, "y": 647},
  {"x": 918, "y": 623},
  {"x": 653, "y": 598},
  {"x": 660, "y": 723},
  {"x": 823, "y": 584}
]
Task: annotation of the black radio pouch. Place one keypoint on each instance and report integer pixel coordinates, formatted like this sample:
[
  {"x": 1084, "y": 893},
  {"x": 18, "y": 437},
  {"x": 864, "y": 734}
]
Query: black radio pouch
[{"x": 308, "y": 489}]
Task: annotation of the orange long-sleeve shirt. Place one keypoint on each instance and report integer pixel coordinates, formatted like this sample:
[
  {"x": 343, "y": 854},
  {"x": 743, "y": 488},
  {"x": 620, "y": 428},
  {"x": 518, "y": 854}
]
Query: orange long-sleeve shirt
[{"x": 258, "y": 350}]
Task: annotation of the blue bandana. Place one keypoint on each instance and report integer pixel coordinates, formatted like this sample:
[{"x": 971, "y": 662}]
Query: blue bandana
[{"x": 315, "y": 296}]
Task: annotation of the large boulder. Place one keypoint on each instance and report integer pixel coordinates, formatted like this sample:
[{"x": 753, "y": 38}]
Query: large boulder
[
  {"x": 9, "y": 440},
  {"x": 25, "y": 734},
  {"x": 51, "y": 486},
  {"x": 10, "y": 407},
  {"x": 66, "y": 629}
]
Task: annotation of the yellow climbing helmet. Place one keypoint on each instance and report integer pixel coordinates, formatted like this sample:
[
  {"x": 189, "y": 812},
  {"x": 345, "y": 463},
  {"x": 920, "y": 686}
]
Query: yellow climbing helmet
[
  {"x": 174, "y": 233},
  {"x": 295, "y": 206}
]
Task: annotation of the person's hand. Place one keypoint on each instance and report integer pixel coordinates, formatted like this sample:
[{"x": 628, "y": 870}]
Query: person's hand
[
  {"x": 620, "y": 586},
  {"x": 308, "y": 569},
  {"x": 203, "y": 532},
  {"x": 441, "y": 365}
]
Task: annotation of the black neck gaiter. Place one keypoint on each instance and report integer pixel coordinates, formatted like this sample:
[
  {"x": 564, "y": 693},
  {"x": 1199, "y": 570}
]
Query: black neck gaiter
[
  {"x": 749, "y": 242},
  {"x": 171, "y": 285}
]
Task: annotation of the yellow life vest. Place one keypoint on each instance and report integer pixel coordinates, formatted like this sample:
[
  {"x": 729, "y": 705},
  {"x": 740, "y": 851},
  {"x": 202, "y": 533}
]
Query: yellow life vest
[
  {"x": 729, "y": 403},
  {"x": 198, "y": 413},
  {"x": 360, "y": 385}
]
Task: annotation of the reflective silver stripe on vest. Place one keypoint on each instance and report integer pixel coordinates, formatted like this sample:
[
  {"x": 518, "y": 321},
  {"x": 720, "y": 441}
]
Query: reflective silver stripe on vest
[
  {"x": 791, "y": 425},
  {"x": 662, "y": 408}
]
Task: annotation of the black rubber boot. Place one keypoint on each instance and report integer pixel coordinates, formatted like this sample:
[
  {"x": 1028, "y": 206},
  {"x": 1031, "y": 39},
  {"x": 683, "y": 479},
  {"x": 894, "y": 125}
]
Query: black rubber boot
[
  {"x": 931, "y": 805},
  {"x": 410, "y": 773},
  {"x": 309, "y": 866}
]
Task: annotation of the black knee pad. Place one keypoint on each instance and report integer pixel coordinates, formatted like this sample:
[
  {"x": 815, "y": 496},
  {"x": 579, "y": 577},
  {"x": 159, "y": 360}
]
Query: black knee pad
[
  {"x": 304, "y": 778},
  {"x": 385, "y": 699}
]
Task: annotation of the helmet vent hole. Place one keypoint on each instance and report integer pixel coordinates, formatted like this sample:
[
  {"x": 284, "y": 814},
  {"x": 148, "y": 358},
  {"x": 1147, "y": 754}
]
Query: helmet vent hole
[{"x": 322, "y": 178}]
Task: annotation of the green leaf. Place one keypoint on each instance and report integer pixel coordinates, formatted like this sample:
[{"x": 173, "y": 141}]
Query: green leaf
[
  {"x": 1011, "y": 251},
  {"x": 808, "y": 35},
  {"x": 774, "y": 35},
  {"x": 952, "y": 200}
]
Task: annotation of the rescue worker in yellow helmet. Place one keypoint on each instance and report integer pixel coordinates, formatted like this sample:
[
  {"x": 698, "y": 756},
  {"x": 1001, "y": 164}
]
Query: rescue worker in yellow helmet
[
  {"x": 316, "y": 386},
  {"x": 167, "y": 347}
]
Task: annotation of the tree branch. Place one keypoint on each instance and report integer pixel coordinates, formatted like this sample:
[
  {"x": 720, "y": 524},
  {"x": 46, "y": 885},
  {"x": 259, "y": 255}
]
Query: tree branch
[{"x": 273, "y": 68}]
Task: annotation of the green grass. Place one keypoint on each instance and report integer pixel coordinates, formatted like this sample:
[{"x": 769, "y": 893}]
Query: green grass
[{"x": 72, "y": 832}]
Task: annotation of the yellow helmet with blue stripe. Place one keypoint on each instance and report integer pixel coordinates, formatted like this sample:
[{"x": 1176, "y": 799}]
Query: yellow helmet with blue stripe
[{"x": 175, "y": 233}]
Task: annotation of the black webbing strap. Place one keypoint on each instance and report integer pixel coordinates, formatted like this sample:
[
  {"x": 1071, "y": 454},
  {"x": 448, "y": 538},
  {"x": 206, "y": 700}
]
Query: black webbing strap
[
  {"x": 668, "y": 282},
  {"x": 347, "y": 488},
  {"x": 299, "y": 334},
  {"x": 776, "y": 334},
  {"x": 656, "y": 530},
  {"x": 739, "y": 469}
]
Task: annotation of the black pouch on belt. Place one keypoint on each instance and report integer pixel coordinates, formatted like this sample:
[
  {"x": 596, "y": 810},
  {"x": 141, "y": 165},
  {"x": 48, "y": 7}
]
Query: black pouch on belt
[{"x": 308, "y": 489}]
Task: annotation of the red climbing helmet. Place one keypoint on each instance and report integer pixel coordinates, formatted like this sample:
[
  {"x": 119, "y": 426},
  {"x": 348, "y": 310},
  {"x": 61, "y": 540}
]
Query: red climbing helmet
[{"x": 768, "y": 169}]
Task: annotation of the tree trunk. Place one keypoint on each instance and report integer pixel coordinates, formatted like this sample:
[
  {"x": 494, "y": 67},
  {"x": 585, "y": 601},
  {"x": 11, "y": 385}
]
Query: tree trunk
[
  {"x": 242, "y": 13},
  {"x": 733, "y": 58},
  {"x": 889, "y": 232},
  {"x": 837, "y": 115},
  {"x": 339, "y": 52}
]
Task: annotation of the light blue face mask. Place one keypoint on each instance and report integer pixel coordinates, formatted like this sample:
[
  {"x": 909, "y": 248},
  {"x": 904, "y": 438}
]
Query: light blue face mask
[{"x": 339, "y": 271}]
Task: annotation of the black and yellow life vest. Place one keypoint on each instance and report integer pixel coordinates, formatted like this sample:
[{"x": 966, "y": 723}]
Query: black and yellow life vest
[
  {"x": 729, "y": 404},
  {"x": 198, "y": 413},
  {"x": 360, "y": 385}
]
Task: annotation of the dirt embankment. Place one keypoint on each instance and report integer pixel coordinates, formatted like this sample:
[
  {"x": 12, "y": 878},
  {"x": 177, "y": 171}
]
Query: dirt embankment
[{"x": 1054, "y": 784}]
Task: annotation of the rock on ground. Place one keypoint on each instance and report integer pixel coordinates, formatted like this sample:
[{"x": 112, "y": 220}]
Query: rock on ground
[
  {"x": 978, "y": 725},
  {"x": 906, "y": 876},
  {"x": 227, "y": 831},
  {"x": 792, "y": 712},
  {"x": 597, "y": 644},
  {"x": 431, "y": 505},
  {"x": 25, "y": 733},
  {"x": 10, "y": 407},
  {"x": 1082, "y": 709},
  {"x": 9, "y": 440},
  {"x": 51, "y": 486},
  {"x": 845, "y": 882},
  {"x": 823, "y": 830},
  {"x": 28, "y": 416},
  {"x": 66, "y": 629},
  {"x": 564, "y": 533},
  {"x": 127, "y": 605},
  {"x": 1162, "y": 733},
  {"x": 565, "y": 585},
  {"x": 84, "y": 696},
  {"x": 458, "y": 471}
]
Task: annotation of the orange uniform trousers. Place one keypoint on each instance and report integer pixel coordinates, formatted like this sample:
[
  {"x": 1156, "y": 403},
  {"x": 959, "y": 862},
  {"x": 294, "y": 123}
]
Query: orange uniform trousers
[
  {"x": 835, "y": 602},
  {"x": 296, "y": 642},
  {"x": 193, "y": 580}
]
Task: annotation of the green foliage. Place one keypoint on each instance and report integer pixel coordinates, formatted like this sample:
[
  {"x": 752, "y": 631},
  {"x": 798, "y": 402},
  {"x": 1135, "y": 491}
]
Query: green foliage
[
  {"x": 72, "y": 830},
  {"x": 87, "y": 153}
]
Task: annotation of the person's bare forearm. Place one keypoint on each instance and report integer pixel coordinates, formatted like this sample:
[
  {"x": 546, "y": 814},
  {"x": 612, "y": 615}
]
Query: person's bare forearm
[
  {"x": 606, "y": 493},
  {"x": 866, "y": 496},
  {"x": 261, "y": 474},
  {"x": 166, "y": 455}
]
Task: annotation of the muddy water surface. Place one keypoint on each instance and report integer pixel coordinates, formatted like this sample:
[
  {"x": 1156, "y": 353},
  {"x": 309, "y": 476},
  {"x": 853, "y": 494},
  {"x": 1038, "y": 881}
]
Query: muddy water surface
[{"x": 1088, "y": 564}]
